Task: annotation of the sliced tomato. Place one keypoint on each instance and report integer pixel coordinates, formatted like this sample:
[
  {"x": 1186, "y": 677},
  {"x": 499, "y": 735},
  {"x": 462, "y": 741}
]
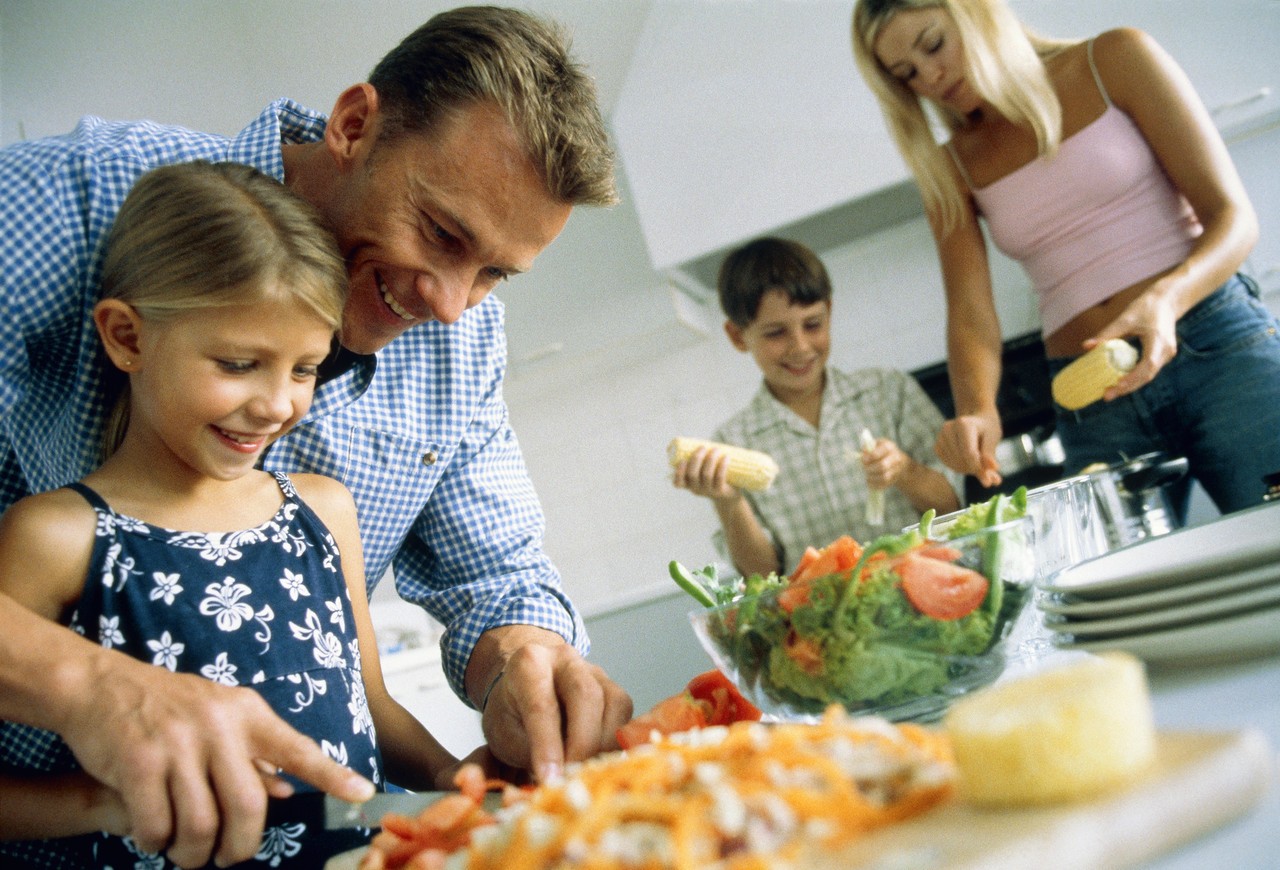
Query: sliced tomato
[
  {"x": 838, "y": 556},
  {"x": 727, "y": 704},
  {"x": 940, "y": 589},
  {"x": 805, "y": 652},
  {"x": 669, "y": 716},
  {"x": 795, "y": 594}
]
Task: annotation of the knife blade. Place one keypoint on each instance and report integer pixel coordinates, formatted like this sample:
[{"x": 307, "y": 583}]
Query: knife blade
[{"x": 335, "y": 813}]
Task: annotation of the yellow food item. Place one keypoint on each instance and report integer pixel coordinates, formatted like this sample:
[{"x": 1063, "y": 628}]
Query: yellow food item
[
  {"x": 748, "y": 469},
  {"x": 1085, "y": 380},
  {"x": 1064, "y": 734}
]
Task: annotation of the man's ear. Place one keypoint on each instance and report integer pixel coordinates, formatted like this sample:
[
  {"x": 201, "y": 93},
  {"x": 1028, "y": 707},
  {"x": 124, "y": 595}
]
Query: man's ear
[
  {"x": 734, "y": 331},
  {"x": 352, "y": 125},
  {"x": 120, "y": 329}
]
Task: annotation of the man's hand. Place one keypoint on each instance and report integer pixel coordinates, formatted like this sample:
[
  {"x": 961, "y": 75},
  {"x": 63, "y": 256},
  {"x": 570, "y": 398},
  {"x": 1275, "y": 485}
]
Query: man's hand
[
  {"x": 193, "y": 761},
  {"x": 546, "y": 704},
  {"x": 967, "y": 444}
]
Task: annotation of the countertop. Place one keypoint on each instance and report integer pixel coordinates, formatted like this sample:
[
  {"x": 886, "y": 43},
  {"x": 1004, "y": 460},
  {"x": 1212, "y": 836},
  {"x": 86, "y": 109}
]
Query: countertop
[{"x": 1227, "y": 697}]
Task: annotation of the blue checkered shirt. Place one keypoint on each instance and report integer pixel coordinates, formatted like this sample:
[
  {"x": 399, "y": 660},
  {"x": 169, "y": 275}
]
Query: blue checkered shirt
[{"x": 419, "y": 432}]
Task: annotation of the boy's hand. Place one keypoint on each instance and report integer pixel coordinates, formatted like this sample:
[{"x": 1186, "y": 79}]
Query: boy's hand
[{"x": 705, "y": 473}]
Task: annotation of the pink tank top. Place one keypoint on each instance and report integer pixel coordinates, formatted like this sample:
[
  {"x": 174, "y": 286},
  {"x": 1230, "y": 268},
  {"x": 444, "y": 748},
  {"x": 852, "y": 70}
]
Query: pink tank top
[{"x": 1097, "y": 218}]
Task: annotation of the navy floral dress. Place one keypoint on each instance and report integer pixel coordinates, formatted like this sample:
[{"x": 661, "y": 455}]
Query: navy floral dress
[{"x": 265, "y": 607}]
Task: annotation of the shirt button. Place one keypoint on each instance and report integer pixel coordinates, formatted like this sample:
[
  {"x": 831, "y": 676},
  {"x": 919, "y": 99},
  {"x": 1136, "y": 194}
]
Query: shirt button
[{"x": 429, "y": 458}]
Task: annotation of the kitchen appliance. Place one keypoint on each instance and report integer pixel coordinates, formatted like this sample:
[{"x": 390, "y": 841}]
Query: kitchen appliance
[{"x": 1132, "y": 497}]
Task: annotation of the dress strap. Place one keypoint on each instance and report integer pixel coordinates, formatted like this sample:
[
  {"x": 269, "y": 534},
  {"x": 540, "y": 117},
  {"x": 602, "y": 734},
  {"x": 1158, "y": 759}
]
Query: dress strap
[
  {"x": 1093, "y": 67},
  {"x": 955, "y": 158},
  {"x": 91, "y": 496}
]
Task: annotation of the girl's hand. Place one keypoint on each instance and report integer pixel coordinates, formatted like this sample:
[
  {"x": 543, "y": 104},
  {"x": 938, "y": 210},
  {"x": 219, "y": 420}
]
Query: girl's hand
[
  {"x": 705, "y": 473},
  {"x": 1153, "y": 321},
  {"x": 967, "y": 444}
]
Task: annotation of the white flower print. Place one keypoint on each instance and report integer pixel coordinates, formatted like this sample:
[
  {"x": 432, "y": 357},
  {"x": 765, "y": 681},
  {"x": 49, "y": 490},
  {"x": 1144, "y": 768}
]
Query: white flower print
[
  {"x": 224, "y": 603},
  {"x": 338, "y": 751},
  {"x": 166, "y": 651},
  {"x": 109, "y": 633},
  {"x": 221, "y": 671},
  {"x": 116, "y": 571},
  {"x": 328, "y": 646},
  {"x": 336, "y": 615},
  {"x": 281, "y": 842},
  {"x": 358, "y": 706},
  {"x": 167, "y": 586},
  {"x": 313, "y": 686},
  {"x": 295, "y": 584}
]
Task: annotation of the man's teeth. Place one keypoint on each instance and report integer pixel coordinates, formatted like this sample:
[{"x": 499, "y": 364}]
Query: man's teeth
[{"x": 394, "y": 305}]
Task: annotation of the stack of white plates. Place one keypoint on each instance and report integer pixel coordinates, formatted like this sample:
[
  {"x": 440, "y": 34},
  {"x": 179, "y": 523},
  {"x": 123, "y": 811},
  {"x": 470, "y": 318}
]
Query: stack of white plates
[{"x": 1206, "y": 593}]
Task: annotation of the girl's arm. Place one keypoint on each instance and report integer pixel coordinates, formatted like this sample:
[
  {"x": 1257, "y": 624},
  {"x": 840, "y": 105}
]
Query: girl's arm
[
  {"x": 45, "y": 807},
  {"x": 705, "y": 473},
  {"x": 414, "y": 759},
  {"x": 967, "y": 443},
  {"x": 1150, "y": 87}
]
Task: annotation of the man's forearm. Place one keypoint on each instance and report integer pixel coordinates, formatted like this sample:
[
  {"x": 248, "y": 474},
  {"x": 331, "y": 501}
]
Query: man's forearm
[
  {"x": 41, "y": 664},
  {"x": 492, "y": 651}
]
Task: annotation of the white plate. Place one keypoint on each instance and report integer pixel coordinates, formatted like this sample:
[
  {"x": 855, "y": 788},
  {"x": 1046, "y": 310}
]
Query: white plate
[
  {"x": 1209, "y": 642},
  {"x": 1167, "y": 617},
  {"x": 1056, "y": 604},
  {"x": 1230, "y": 544}
]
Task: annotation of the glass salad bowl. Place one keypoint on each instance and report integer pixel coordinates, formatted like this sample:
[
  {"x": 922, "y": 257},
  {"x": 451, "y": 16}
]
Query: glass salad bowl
[{"x": 926, "y": 622}]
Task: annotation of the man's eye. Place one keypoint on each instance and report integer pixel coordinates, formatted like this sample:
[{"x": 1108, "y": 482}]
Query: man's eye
[{"x": 497, "y": 275}]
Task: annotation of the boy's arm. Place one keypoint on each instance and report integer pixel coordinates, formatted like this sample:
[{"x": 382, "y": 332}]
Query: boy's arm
[{"x": 705, "y": 473}]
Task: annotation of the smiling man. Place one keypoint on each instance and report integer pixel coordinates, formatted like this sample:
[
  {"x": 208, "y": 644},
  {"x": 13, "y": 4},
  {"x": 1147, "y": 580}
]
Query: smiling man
[{"x": 448, "y": 171}]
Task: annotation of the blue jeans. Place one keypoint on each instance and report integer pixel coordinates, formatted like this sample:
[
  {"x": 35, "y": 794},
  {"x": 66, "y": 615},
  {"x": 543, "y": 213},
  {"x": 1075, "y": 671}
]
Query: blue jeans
[{"x": 1217, "y": 402}]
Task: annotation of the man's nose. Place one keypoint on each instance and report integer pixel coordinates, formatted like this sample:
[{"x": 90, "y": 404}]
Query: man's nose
[{"x": 447, "y": 295}]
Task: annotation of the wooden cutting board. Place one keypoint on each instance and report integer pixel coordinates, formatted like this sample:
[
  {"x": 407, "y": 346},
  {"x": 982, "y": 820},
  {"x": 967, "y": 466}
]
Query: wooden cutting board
[{"x": 1200, "y": 782}]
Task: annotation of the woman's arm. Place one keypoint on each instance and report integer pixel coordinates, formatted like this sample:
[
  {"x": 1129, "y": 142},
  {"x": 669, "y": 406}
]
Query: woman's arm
[
  {"x": 1150, "y": 87},
  {"x": 967, "y": 443},
  {"x": 414, "y": 759},
  {"x": 705, "y": 473}
]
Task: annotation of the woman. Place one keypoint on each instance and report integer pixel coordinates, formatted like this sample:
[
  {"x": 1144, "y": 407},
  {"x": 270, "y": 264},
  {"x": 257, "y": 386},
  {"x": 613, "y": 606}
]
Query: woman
[{"x": 1095, "y": 165}]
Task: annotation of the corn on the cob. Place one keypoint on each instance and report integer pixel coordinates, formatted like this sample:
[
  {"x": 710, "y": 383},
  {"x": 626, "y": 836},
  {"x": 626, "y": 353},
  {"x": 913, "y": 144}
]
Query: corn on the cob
[
  {"x": 1085, "y": 380},
  {"x": 748, "y": 469},
  {"x": 875, "y": 497}
]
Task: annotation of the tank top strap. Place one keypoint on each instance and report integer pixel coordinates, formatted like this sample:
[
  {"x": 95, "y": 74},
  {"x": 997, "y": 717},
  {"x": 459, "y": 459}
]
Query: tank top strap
[
  {"x": 955, "y": 158},
  {"x": 91, "y": 496},
  {"x": 1093, "y": 67}
]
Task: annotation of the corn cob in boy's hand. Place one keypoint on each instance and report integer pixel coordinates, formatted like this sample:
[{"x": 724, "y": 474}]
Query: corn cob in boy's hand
[
  {"x": 1085, "y": 380},
  {"x": 748, "y": 469}
]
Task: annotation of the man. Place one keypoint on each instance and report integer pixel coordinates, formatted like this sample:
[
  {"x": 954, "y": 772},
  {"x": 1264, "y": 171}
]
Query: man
[{"x": 451, "y": 169}]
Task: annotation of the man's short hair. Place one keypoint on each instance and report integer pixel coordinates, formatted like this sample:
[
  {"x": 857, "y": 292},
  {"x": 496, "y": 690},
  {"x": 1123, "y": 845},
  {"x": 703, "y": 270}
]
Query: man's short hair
[{"x": 521, "y": 63}]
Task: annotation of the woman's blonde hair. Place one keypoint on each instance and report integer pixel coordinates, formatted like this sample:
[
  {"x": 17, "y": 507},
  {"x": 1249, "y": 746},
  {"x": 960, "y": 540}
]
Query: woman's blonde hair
[
  {"x": 202, "y": 235},
  {"x": 1004, "y": 61}
]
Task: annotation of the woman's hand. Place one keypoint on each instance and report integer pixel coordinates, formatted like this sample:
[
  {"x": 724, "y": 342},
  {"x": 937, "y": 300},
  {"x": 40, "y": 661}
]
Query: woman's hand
[
  {"x": 705, "y": 473},
  {"x": 967, "y": 444},
  {"x": 1152, "y": 319}
]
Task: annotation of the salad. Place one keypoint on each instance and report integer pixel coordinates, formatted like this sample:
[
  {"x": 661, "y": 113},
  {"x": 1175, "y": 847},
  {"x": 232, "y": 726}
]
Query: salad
[{"x": 905, "y": 618}]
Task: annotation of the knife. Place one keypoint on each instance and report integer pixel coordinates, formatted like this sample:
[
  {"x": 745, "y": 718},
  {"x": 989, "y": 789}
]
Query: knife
[{"x": 334, "y": 813}]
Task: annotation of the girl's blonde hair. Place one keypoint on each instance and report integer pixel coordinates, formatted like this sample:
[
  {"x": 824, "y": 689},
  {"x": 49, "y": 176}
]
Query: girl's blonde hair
[
  {"x": 202, "y": 235},
  {"x": 1004, "y": 61}
]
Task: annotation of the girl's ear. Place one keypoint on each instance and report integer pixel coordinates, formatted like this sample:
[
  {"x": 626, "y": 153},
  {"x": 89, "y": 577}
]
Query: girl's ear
[
  {"x": 734, "y": 331},
  {"x": 120, "y": 329}
]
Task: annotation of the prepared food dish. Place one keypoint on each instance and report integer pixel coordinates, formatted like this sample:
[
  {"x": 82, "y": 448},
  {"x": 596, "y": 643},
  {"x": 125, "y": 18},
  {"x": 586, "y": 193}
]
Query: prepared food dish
[
  {"x": 737, "y": 797},
  {"x": 898, "y": 628}
]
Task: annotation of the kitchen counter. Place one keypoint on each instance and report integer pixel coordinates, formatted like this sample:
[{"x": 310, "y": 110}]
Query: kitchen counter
[{"x": 1229, "y": 697}]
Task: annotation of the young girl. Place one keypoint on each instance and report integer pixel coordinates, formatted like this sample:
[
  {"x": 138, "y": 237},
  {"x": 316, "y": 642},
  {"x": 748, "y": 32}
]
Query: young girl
[
  {"x": 222, "y": 295},
  {"x": 1097, "y": 167}
]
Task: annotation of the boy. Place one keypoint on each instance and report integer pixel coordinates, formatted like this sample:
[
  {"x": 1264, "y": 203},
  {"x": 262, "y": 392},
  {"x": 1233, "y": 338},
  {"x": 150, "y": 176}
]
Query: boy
[{"x": 777, "y": 297}]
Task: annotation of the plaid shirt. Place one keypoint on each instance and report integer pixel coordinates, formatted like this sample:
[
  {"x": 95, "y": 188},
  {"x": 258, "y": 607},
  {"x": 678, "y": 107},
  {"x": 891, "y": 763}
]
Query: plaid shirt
[
  {"x": 821, "y": 491},
  {"x": 419, "y": 432}
]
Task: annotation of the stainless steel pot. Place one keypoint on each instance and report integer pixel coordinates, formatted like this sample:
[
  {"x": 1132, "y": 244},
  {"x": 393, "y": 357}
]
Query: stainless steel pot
[{"x": 1131, "y": 497}]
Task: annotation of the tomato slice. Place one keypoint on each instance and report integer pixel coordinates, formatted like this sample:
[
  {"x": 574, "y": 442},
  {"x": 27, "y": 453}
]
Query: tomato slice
[
  {"x": 669, "y": 716},
  {"x": 838, "y": 556},
  {"x": 727, "y": 703},
  {"x": 940, "y": 589}
]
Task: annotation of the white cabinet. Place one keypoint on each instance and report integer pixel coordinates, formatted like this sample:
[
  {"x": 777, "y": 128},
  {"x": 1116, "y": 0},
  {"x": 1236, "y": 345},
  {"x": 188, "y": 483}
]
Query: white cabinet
[{"x": 738, "y": 117}]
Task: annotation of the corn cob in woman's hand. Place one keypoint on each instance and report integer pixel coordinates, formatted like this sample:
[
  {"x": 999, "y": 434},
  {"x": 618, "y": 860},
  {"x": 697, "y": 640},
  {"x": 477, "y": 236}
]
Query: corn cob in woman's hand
[
  {"x": 748, "y": 469},
  {"x": 1085, "y": 380}
]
